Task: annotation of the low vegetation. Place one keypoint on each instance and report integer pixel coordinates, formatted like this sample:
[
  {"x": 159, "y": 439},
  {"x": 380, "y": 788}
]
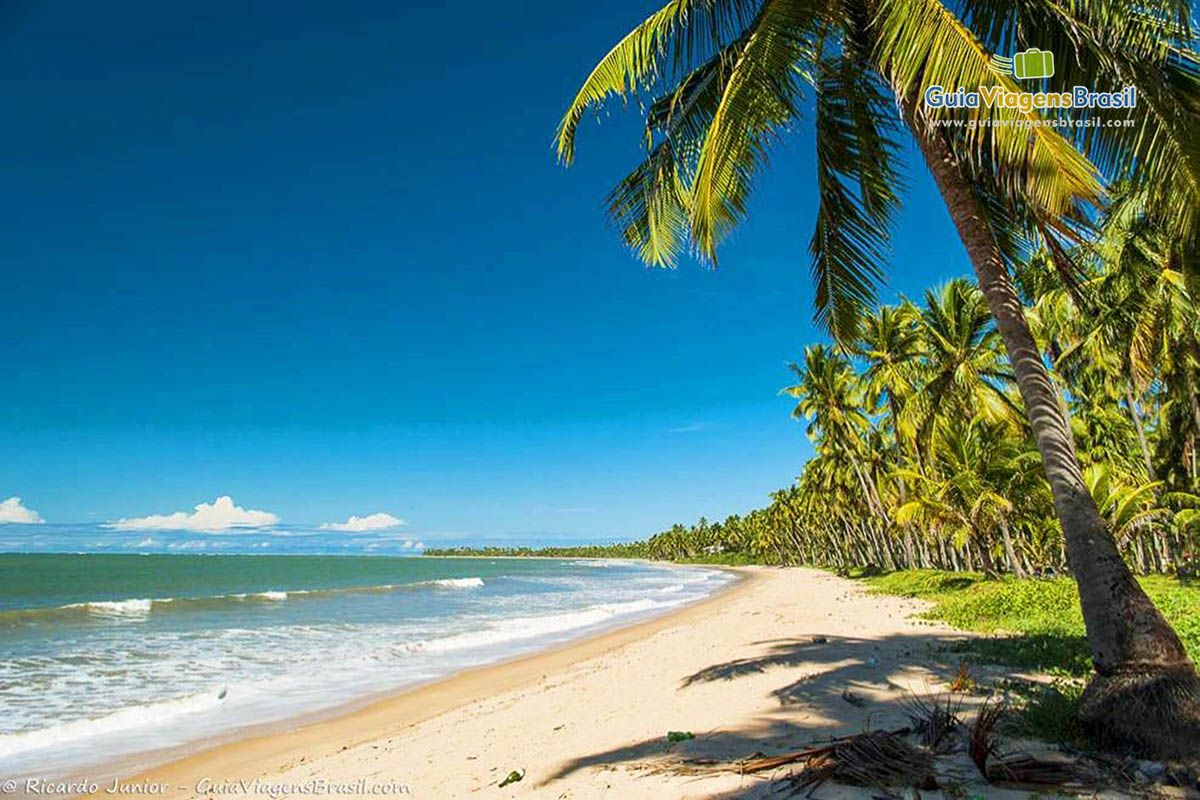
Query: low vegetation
[
  {"x": 1034, "y": 625},
  {"x": 1037, "y": 623}
]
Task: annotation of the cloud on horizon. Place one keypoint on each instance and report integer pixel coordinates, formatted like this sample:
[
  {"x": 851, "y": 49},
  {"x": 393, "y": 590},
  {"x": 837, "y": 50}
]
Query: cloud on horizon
[
  {"x": 371, "y": 522},
  {"x": 220, "y": 515},
  {"x": 12, "y": 511}
]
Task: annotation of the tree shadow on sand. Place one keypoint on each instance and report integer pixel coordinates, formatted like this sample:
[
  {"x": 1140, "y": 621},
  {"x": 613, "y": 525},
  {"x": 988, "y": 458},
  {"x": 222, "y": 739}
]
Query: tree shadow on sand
[{"x": 828, "y": 686}]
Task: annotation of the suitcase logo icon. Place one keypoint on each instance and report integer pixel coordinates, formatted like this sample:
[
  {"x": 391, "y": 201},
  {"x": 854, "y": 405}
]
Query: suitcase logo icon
[{"x": 1026, "y": 65}]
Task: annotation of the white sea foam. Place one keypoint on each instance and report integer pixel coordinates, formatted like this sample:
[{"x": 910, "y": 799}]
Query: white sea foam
[
  {"x": 506, "y": 631},
  {"x": 160, "y": 681},
  {"x": 124, "y": 719},
  {"x": 457, "y": 583},
  {"x": 134, "y": 607}
]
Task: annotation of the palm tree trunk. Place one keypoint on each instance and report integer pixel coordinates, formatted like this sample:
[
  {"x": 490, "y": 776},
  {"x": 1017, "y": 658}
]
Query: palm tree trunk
[
  {"x": 873, "y": 501},
  {"x": 1139, "y": 554},
  {"x": 1136, "y": 653},
  {"x": 1014, "y": 564},
  {"x": 1140, "y": 428},
  {"x": 909, "y": 552}
]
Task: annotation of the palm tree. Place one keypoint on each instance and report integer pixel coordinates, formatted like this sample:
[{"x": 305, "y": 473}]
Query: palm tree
[
  {"x": 726, "y": 81},
  {"x": 890, "y": 345},
  {"x": 1151, "y": 326},
  {"x": 1127, "y": 507},
  {"x": 830, "y": 394},
  {"x": 968, "y": 496},
  {"x": 963, "y": 367}
]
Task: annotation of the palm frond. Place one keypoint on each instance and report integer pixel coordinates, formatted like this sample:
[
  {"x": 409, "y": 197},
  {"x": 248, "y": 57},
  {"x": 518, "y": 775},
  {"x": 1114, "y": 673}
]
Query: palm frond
[
  {"x": 680, "y": 32},
  {"x": 921, "y": 44},
  {"x": 757, "y": 102},
  {"x": 650, "y": 208},
  {"x": 1110, "y": 44},
  {"x": 858, "y": 184}
]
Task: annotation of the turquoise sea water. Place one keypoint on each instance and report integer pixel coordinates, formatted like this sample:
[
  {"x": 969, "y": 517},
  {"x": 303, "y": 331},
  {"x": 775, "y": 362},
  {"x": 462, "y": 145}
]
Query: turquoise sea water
[{"x": 106, "y": 655}]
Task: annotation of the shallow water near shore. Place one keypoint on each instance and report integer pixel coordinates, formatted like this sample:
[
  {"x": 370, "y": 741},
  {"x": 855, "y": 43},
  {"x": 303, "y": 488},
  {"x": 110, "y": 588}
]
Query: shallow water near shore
[{"x": 103, "y": 656}]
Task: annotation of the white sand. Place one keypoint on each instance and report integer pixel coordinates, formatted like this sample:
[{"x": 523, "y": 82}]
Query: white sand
[{"x": 740, "y": 671}]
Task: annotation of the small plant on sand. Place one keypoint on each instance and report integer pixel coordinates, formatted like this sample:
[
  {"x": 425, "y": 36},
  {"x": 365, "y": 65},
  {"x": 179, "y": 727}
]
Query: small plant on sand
[
  {"x": 674, "y": 737},
  {"x": 963, "y": 683}
]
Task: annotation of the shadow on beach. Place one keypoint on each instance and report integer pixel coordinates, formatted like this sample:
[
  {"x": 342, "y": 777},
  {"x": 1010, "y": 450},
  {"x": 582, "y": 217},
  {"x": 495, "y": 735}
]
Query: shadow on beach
[{"x": 828, "y": 686}]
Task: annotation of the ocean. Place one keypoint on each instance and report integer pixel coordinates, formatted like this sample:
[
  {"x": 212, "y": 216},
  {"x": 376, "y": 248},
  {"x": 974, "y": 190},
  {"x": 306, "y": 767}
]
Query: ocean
[{"x": 104, "y": 656}]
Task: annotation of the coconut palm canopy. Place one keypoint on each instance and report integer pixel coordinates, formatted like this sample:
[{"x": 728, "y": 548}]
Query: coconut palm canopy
[
  {"x": 908, "y": 474},
  {"x": 722, "y": 81}
]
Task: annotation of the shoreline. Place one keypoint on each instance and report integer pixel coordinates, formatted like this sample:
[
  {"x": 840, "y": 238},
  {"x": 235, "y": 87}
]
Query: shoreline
[
  {"x": 776, "y": 661},
  {"x": 241, "y": 753}
]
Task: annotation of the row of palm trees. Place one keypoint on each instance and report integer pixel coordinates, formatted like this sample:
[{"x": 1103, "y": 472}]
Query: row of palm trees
[
  {"x": 722, "y": 82},
  {"x": 924, "y": 457}
]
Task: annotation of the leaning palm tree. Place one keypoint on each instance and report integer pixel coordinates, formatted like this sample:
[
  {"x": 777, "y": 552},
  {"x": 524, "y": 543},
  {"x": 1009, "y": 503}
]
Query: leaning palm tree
[
  {"x": 890, "y": 347},
  {"x": 724, "y": 80}
]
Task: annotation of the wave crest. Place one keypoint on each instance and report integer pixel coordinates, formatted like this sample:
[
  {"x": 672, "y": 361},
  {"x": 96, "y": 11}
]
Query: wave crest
[{"x": 457, "y": 583}]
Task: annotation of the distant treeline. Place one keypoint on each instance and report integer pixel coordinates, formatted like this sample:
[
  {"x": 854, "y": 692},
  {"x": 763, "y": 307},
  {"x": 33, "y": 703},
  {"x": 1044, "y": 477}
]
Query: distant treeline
[
  {"x": 633, "y": 550},
  {"x": 924, "y": 457}
]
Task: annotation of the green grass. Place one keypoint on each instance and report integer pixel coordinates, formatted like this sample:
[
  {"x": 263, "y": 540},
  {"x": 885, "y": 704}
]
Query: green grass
[
  {"x": 1049, "y": 713},
  {"x": 1036, "y": 624}
]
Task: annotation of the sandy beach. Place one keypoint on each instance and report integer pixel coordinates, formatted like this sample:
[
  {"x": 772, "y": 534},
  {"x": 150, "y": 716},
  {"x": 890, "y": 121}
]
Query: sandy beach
[{"x": 762, "y": 668}]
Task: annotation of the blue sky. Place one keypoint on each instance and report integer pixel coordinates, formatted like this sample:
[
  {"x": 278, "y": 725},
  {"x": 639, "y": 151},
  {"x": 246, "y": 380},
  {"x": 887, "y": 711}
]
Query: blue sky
[{"x": 319, "y": 257}]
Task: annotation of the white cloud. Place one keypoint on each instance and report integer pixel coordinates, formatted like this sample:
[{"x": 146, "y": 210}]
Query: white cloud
[
  {"x": 11, "y": 510},
  {"x": 188, "y": 545},
  {"x": 371, "y": 522},
  {"x": 220, "y": 515},
  {"x": 147, "y": 542}
]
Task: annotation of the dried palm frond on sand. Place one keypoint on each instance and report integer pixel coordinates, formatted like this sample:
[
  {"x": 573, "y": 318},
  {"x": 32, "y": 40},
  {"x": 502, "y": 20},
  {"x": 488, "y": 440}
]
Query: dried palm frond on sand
[{"x": 873, "y": 758}]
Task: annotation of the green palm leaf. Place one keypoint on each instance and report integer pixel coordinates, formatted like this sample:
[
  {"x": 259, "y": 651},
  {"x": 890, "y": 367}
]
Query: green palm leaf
[{"x": 921, "y": 43}]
